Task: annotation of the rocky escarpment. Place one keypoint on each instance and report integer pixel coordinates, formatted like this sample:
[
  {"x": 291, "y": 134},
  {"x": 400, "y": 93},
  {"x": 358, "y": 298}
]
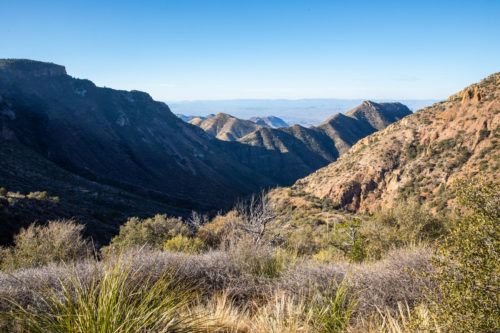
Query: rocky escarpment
[
  {"x": 419, "y": 156},
  {"x": 30, "y": 68}
]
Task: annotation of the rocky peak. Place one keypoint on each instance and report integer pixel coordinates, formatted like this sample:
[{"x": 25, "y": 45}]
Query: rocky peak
[
  {"x": 487, "y": 89},
  {"x": 24, "y": 67},
  {"x": 471, "y": 93}
]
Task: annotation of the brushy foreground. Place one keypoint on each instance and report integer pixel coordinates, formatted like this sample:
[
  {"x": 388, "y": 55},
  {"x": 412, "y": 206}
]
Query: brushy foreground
[{"x": 154, "y": 291}]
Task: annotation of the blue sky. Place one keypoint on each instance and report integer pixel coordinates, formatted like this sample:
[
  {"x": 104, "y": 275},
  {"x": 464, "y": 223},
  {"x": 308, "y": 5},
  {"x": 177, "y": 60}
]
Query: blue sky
[{"x": 208, "y": 49}]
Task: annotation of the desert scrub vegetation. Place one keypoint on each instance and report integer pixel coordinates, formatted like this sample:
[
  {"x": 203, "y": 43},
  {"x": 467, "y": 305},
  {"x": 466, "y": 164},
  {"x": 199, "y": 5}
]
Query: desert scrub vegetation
[
  {"x": 467, "y": 263},
  {"x": 407, "y": 223},
  {"x": 185, "y": 244},
  {"x": 37, "y": 245},
  {"x": 152, "y": 232},
  {"x": 41, "y": 196},
  {"x": 399, "y": 270},
  {"x": 154, "y": 289}
]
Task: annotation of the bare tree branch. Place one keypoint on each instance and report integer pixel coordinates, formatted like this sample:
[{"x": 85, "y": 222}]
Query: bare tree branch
[{"x": 256, "y": 214}]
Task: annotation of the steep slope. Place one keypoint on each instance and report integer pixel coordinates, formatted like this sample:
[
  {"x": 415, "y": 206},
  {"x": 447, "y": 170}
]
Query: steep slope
[
  {"x": 420, "y": 155},
  {"x": 288, "y": 153},
  {"x": 102, "y": 208},
  {"x": 225, "y": 127},
  {"x": 269, "y": 121},
  {"x": 118, "y": 138},
  {"x": 346, "y": 129}
]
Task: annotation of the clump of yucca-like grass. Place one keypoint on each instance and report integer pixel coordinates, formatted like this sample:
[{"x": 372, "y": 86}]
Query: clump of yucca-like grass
[
  {"x": 404, "y": 320},
  {"x": 281, "y": 313},
  {"x": 113, "y": 300},
  {"x": 334, "y": 313}
]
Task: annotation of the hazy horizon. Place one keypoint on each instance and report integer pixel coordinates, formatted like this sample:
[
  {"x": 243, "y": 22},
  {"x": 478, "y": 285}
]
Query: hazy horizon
[{"x": 308, "y": 111}]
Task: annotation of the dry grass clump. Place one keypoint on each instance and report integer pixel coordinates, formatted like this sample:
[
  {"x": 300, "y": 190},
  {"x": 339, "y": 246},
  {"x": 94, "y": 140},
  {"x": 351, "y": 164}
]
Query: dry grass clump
[
  {"x": 404, "y": 320},
  {"x": 111, "y": 300},
  {"x": 281, "y": 313}
]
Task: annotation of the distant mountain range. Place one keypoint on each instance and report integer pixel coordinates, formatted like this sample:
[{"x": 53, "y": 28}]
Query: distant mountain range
[
  {"x": 225, "y": 127},
  {"x": 305, "y": 112},
  {"x": 303, "y": 150},
  {"x": 269, "y": 121}
]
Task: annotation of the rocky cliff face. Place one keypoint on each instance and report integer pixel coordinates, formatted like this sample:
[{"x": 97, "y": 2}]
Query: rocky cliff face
[
  {"x": 29, "y": 68},
  {"x": 420, "y": 155}
]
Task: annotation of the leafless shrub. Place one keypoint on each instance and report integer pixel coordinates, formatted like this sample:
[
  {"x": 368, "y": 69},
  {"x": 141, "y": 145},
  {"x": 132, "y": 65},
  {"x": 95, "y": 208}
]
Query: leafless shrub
[
  {"x": 196, "y": 220},
  {"x": 256, "y": 213},
  {"x": 400, "y": 278}
]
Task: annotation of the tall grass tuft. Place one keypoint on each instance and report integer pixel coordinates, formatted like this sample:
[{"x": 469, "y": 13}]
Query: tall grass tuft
[
  {"x": 403, "y": 320},
  {"x": 113, "y": 301},
  {"x": 334, "y": 313}
]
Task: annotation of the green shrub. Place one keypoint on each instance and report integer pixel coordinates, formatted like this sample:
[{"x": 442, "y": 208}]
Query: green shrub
[
  {"x": 406, "y": 224},
  {"x": 58, "y": 241},
  {"x": 185, "y": 244},
  {"x": 153, "y": 232},
  {"x": 221, "y": 230},
  {"x": 3, "y": 191},
  {"x": 484, "y": 133},
  {"x": 467, "y": 263},
  {"x": 329, "y": 254},
  {"x": 38, "y": 195},
  {"x": 357, "y": 252}
]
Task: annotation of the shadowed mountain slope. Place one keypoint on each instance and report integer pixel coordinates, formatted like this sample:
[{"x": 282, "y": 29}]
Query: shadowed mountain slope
[
  {"x": 99, "y": 206},
  {"x": 119, "y": 138}
]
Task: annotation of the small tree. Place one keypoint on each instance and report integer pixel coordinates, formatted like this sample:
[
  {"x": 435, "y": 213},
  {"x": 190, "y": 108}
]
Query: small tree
[{"x": 467, "y": 263}]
